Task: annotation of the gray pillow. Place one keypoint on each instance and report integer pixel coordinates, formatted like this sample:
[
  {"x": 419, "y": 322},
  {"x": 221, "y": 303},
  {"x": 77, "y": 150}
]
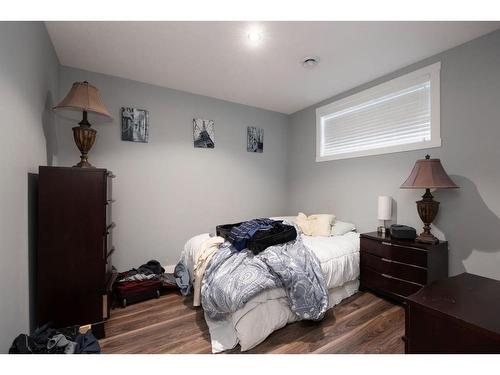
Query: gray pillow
[{"x": 339, "y": 228}]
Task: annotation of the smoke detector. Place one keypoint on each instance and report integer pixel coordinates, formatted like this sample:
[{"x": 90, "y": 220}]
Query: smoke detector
[{"x": 310, "y": 62}]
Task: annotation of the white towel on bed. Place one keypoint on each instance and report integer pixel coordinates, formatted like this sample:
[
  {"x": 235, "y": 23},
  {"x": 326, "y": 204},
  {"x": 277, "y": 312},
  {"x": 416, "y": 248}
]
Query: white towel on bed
[{"x": 203, "y": 256}]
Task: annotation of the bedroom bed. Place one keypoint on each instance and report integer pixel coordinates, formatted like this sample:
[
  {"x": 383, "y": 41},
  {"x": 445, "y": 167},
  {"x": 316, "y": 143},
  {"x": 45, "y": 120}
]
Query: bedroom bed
[{"x": 269, "y": 310}]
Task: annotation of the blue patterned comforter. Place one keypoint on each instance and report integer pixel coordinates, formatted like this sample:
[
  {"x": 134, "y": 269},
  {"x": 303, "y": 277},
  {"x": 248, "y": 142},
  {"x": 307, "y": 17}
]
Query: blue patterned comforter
[{"x": 233, "y": 278}]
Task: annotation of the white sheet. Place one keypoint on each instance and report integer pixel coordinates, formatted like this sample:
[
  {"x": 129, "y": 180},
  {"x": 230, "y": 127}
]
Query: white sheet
[{"x": 269, "y": 311}]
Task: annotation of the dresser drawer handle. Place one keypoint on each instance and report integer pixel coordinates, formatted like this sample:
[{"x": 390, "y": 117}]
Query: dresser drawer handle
[
  {"x": 397, "y": 278},
  {"x": 111, "y": 251},
  {"x": 109, "y": 227},
  {"x": 402, "y": 246}
]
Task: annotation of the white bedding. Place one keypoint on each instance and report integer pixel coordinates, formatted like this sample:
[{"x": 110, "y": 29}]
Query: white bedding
[
  {"x": 338, "y": 256},
  {"x": 269, "y": 311}
]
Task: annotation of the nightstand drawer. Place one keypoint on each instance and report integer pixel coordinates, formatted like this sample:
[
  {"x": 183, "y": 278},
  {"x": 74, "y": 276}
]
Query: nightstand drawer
[
  {"x": 400, "y": 253},
  {"x": 394, "y": 268},
  {"x": 386, "y": 283}
]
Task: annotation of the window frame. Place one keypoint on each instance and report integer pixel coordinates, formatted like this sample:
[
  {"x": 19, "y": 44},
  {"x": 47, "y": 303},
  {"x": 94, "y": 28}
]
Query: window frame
[{"x": 433, "y": 71}]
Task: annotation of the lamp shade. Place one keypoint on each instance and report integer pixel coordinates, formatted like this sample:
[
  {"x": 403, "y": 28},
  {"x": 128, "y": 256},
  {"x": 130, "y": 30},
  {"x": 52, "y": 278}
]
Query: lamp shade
[
  {"x": 427, "y": 174},
  {"x": 83, "y": 97},
  {"x": 384, "y": 207}
]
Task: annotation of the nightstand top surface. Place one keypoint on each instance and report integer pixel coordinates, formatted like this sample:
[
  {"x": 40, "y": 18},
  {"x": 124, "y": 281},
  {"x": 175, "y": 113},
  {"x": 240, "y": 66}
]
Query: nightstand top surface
[
  {"x": 387, "y": 238},
  {"x": 470, "y": 298},
  {"x": 75, "y": 169}
]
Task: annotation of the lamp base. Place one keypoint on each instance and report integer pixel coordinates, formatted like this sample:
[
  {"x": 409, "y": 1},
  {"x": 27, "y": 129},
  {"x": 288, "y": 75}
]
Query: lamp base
[
  {"x": 427, "y": 210},
  {"x": 83, "y": 164},
  {"x": 84, "y": 137},
  {"x": 427, "y": 238}
]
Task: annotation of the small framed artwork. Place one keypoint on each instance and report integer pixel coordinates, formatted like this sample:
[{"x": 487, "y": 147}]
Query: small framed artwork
[
  {"x": 135, "y": 125},
  {"x": 203, "y": 133},
  {"x": 255, "y": 139}
]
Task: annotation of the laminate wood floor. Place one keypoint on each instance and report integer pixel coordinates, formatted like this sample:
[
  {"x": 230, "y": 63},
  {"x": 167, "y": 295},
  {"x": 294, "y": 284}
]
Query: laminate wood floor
[{"x": 363, "y": 323}]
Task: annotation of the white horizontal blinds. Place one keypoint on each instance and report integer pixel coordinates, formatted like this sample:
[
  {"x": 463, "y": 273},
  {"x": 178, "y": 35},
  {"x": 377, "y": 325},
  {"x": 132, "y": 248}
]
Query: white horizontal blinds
[{"x": 396, "y": 116}]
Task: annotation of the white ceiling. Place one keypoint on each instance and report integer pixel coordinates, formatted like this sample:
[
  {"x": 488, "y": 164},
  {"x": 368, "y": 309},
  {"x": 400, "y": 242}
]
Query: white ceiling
[{"x": 217, "y": 59}]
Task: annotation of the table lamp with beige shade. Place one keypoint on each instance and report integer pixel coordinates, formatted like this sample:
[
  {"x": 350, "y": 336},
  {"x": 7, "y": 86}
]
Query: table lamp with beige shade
[
  {"x": 428, "y": 174},
  {"x": 83, "y": 98}
]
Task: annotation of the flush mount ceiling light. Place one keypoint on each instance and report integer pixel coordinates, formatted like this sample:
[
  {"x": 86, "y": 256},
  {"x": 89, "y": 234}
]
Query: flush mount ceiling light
[
  {"x": 254, "y": 36},
  {"x": 310, "y": 62}
]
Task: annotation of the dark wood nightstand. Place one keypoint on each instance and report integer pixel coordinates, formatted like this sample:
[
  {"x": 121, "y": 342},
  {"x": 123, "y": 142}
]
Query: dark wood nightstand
[
  {"x": 399, "y": 268},
  {"x": 456, "y": 315}
]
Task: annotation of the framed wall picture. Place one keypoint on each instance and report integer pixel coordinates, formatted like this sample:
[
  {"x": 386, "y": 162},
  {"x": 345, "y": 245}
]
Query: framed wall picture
[
  {"x": 255, "y": 139},
  {"x": 203, "y": 133},
  {"x": 135, "y": 125}
]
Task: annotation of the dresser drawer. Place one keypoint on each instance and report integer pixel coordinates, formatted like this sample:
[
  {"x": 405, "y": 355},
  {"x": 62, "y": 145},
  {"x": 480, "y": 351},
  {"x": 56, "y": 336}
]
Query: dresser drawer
[
  {"x": 403, "y": 254},
  {"x": 386, "y": 283},
  {"x": 394, "y": 268}
]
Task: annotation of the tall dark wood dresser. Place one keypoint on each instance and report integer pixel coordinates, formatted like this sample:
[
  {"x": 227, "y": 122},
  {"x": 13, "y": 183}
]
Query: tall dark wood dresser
[
  {"x": 74, "y": 268},
  {"x": 399, "y": 268}
]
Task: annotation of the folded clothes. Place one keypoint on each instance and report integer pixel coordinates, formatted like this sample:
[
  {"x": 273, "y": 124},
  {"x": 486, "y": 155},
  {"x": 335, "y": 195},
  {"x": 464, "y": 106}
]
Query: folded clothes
[
  {"x": 151, "y": 267},
  {"x": 151, "y": 270},
  {"x": 136, "y": 276}
]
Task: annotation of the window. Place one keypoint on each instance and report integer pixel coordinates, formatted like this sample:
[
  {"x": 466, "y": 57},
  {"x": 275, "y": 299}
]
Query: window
[{"x": 398, "y": 115}]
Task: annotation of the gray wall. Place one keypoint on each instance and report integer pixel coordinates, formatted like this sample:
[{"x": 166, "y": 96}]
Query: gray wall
[
  {"x": 166, "y": 190},
  {"x": 470, "y": 153},
  {"x": 28, "y": 83}
]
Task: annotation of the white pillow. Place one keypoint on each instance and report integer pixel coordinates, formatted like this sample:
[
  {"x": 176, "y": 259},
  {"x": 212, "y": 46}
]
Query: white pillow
[
  {"x": 315, "y": 225},
  {"x": 340, "y": 228}
]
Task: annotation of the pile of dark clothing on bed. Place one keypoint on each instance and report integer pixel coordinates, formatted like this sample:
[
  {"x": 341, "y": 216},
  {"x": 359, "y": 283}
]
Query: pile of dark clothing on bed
[
  {"x": 257, "y": 234},
  {"x": 47, "y": 340}
]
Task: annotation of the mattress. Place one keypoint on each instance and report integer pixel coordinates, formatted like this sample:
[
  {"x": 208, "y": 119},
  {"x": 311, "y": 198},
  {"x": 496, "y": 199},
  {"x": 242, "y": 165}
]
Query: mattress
[{"x": 269, "y": 311}]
